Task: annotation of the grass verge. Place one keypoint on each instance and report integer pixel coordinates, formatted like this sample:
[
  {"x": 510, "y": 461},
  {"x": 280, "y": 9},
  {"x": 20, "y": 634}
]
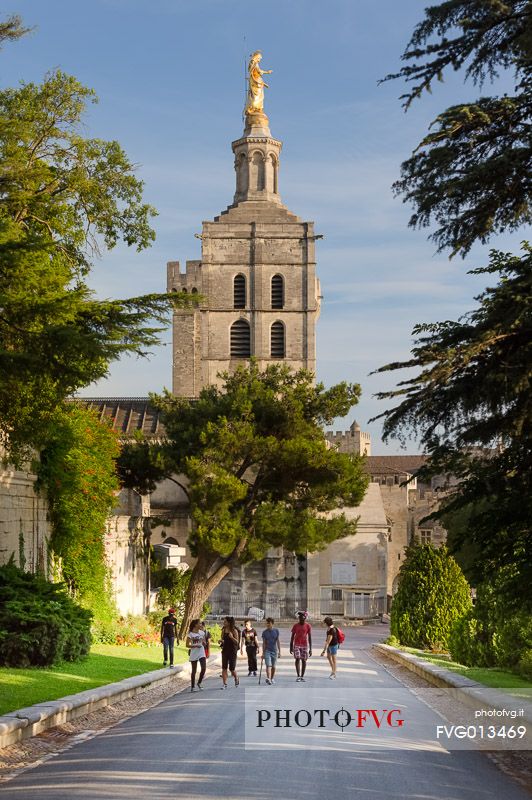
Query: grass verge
[
  {"x": 491, "y": 677},
  {"x": 106, "y": 663}
]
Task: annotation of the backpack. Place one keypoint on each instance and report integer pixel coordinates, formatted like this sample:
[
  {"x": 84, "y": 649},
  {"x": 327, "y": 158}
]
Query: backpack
[{"x": 340, "y": 635}]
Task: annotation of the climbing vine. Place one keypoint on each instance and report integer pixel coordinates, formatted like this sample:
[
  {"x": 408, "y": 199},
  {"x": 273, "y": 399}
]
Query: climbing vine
[{"x": 77, "y": 471}]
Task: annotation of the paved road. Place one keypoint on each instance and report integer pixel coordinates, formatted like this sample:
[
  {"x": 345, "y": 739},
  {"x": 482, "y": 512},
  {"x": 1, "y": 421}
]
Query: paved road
[{"x": 192, "y": 747}]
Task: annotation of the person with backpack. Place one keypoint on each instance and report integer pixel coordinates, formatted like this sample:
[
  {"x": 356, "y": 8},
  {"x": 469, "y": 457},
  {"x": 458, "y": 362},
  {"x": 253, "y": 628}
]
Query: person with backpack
[
  {"x": 168, "y": 636},
  {"x": 301, "y": 644},
  {"x": 250, "y": 640},
  {"x": 196, "y": 642},
  {"x": 333, "y": 640}
]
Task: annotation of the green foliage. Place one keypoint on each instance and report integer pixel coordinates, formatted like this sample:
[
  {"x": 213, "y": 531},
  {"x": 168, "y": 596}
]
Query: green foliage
[
  {"x": 12, "y": 29},
  {"x": 470, "y": 173},
  {"x": 491, "y": 634},
  {"x": 141, "y": 465},
  {"x": 468, "y": 643},
  {"x": 77, "y": 470},
  {"x": 173, "y": 585},
  {"x": 257, "y": 469},
  {"x": 471, "y": 405},
  {"x": 39, "y": 623},
  {"x": 393, "y": 641},
  {"x": 63, "y": 198},
  {"x": 525, "y": 664},
  {"x": 431, "y": 595}
]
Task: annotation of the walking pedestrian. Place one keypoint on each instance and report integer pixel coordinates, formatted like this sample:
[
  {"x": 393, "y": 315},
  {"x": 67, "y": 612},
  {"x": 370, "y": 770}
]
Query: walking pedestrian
[
  {"x": 250, "y": 640},
  {"x": 196, "y": 642},
  {"x": 168, "y": 636},
  {"x": 301, "y": 644},
  {"x": 230, "y": 642},
  {"x": 331, "y": 645},
  {"x": 271, "y": 648}
]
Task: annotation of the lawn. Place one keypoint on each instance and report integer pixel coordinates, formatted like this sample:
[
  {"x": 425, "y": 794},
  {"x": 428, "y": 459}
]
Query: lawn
[
  {"x": 489, "y": 676},
  {"x": 106, "y": 663}
]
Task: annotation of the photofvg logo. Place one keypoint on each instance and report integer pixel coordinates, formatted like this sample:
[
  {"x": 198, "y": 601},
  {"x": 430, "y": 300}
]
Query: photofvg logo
[
  {"x": 324, "y": 718},
  {"x": 303, "y": 717}
]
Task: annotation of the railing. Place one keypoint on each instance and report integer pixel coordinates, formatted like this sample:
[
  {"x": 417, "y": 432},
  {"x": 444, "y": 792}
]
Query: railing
[{"x": 353, "y": 605}]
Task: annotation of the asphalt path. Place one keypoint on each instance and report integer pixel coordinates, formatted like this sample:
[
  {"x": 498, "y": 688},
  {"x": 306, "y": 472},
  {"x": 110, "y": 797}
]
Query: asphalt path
[{"x": 191, "y": 747}]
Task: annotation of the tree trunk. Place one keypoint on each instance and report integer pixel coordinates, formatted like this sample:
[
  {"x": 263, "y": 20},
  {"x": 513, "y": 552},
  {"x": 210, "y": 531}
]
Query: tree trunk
[{"x": 202, "y": 584}]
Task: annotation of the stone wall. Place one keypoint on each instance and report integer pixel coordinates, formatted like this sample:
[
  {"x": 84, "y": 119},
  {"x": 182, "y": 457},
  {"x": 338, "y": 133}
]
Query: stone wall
[
  {"x": 395, "y": 502},
  {"x": 24, "y": 527},
  {"x": 125, "y": 548}
]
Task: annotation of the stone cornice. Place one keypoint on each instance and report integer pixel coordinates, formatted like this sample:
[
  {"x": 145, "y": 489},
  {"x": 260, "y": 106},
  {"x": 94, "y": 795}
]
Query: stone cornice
[{"x": 256, "y": 140}]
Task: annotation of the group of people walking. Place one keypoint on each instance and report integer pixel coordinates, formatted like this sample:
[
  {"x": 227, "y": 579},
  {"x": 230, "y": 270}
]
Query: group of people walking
[{"x": 233, "y": 640}]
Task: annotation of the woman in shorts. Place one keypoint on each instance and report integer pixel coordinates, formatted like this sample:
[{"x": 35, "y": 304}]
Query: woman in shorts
[
  {"x": 331, "y": 646},
  {"x": 230, "y": 642},
  {"x": 196, "y": 643}
]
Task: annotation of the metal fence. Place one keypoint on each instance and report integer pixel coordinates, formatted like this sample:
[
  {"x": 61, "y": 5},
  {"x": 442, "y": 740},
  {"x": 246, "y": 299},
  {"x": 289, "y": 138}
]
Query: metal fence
[{"x": 353, "y": 605}]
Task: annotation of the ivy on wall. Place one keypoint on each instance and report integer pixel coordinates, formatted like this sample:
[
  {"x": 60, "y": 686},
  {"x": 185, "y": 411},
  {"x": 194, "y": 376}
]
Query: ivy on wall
[{"x": 77, "y": 471}]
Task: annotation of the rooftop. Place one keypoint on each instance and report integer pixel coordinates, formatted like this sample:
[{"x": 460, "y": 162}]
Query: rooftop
[{"x": 127, "y": 414}]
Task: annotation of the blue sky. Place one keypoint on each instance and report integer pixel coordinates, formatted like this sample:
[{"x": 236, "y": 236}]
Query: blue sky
[{"x": 169, "y": 75}]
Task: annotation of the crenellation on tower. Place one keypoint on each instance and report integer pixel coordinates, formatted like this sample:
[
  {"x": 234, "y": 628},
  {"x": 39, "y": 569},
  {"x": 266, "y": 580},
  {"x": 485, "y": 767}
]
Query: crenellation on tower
[{"x": 352, "y": 441}]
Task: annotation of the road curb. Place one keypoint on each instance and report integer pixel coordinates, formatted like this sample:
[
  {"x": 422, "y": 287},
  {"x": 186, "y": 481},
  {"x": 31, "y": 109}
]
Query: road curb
[
  {"x": 24, "y": 723},
  {"x": 464, "y": 690}
]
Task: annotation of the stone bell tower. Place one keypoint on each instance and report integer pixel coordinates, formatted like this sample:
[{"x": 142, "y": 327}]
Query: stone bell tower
[{"x": 257, "y": 275}]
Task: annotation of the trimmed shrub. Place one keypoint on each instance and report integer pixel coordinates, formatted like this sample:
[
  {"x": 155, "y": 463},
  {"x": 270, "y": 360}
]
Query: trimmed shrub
[
  {"x": 490, "y": 635},
  {"x": 39, "y": 623},
  {"x": 431, "y": 595},
  {"x": 466, "y": 643},
  {"x": 524, "y": 668}
]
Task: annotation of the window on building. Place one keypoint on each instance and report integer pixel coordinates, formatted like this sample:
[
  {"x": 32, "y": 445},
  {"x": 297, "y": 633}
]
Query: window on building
[
  {"x": 337, "y": 594},
  {"x": 239, "y": 291},
  {"x": 277, "y": 291},
  {"x": 194, "y": 290},
  {"x": 240, "y": 339},
  {"x": 425, "y": 536},
  {"x": 277, "y": 342},
  {"x": 344, "y": 572}
]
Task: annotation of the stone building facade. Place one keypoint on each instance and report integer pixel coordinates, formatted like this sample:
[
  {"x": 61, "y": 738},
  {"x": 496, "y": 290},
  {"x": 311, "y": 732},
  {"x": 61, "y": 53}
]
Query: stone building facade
[
  {"x": 257, "y": 278},
  {"x": 24, "y": 527},
  {"x": 349, "y": 578},
  {"x": 406, "y": 500}
]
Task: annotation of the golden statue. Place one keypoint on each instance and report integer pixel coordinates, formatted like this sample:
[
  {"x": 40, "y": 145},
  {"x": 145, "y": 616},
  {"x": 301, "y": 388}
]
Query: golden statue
[{"x": 255, "y": 101}]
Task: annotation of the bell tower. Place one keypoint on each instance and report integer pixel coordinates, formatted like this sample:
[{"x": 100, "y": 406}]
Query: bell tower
[{"x": 257, "y": 274}]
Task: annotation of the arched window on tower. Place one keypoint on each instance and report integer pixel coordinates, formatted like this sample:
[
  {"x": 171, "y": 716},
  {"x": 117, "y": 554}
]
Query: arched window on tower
[
  {"x": 240, "y": 339},
  {"x": 277, "y": 340},
  {"x": 277, "y": 291},
  {"x": 257, "y": 172},
  {"x": 239, "y": 291},
  {"x": 272, "y": 172}
]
